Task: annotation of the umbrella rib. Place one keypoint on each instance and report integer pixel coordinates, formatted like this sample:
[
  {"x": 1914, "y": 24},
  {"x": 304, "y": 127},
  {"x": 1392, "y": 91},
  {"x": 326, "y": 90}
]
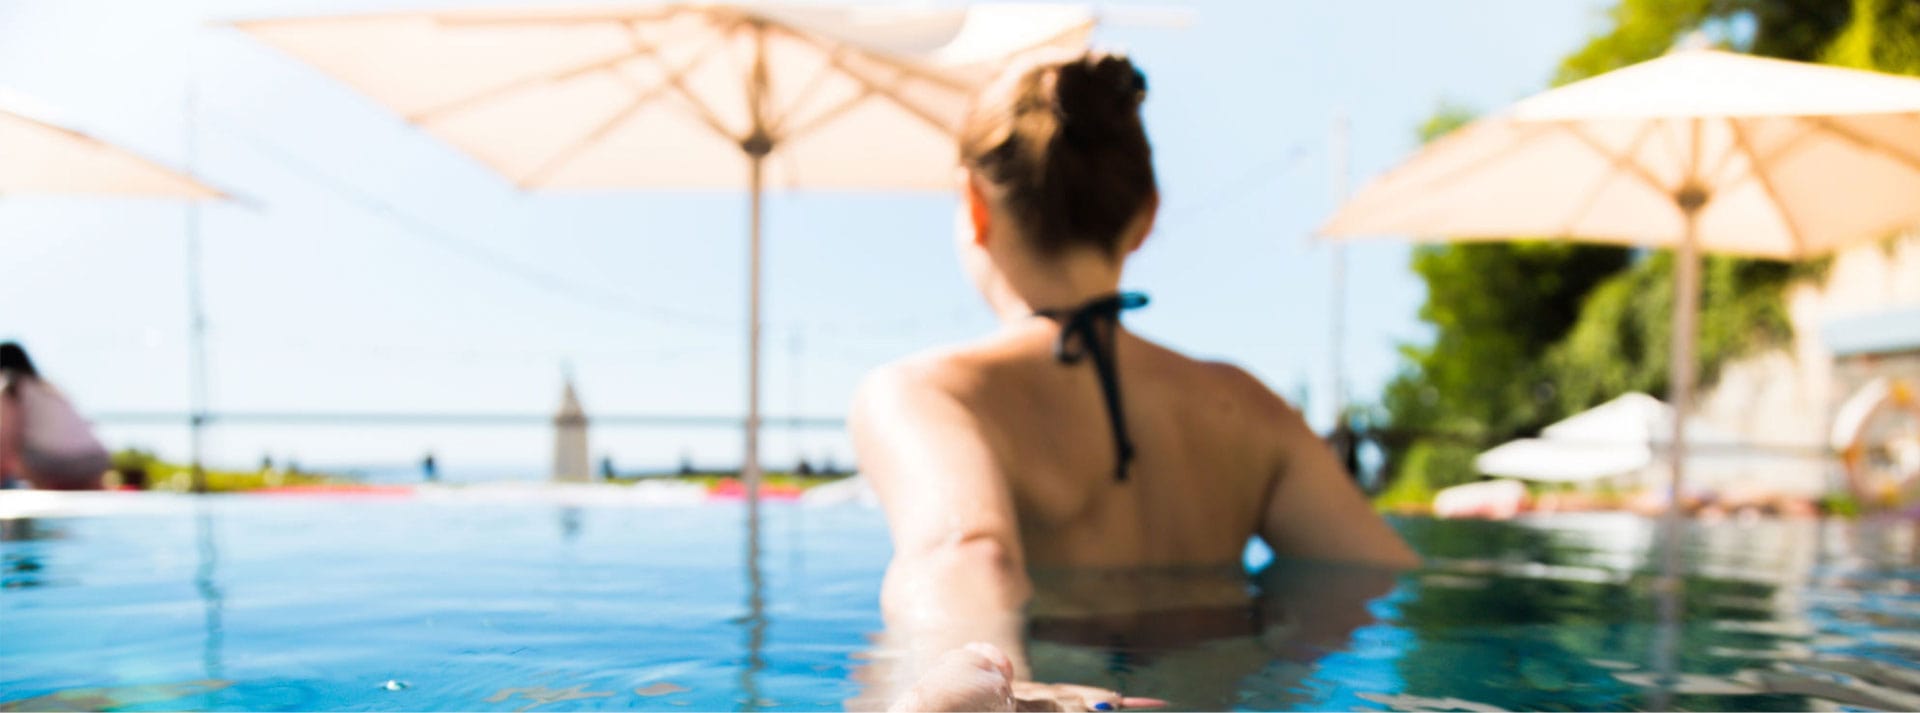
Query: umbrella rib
[
  {"x": 1528, "y": 130},
  {"x": 1622, "y": 162},
  {"x": 1712, "y": 177},
  {"x": 902, "y": 66},
  {"x": 868, "y": 91},
  {"x": 828, "y": 116},
  {"x": 479, "y": 18},
  {"x": 1865, "y": 142},
  {"x": 1776, "y": 154},
  {"x": 1758, "y": 169},
  {"x": 900, "y": 101},
  {"x": 608, "y": 62},
  {"x": 1055, "y": 37},
  {"x": 675, "y": 79},
  {"x": 599, "y": 133},
  {"x": 814, "y": 83},
  {"x": 1593, "y": 198},
  {"x": 524, "y": 82}
]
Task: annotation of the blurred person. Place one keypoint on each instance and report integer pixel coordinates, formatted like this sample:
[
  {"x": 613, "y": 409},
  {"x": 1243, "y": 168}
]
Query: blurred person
[
  {"x": 44, "y": 442},
  {"x": 1017, "y": 454}
]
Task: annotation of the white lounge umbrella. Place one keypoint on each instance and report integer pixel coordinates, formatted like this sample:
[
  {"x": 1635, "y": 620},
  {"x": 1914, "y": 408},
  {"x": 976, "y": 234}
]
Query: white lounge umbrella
[
  {"x": 689, "y": 95},
  {"x": 40, "y": 156},
  {"x": 1622, "y": 436},
  {"x": 1699, "y": 150}
]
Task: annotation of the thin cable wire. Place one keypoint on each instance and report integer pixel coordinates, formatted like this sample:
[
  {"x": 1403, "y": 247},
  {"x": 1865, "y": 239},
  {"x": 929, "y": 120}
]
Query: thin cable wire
[
  {"x": 548, "y": 282},
  {"x": 1241, "y": 186}
]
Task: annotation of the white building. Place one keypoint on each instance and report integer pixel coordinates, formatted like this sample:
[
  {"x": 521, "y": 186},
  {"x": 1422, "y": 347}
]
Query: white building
[{"x": 570, "y": 439}]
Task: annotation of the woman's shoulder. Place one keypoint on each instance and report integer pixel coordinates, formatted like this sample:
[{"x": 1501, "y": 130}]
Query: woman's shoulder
[
  {"x": 938, "y": 376},
  {"x": 956, "y": 369},
  {"x": 1218, "y": 384}
]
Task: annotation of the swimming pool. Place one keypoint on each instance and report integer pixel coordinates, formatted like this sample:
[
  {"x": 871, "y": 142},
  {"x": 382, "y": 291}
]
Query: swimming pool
[{"x": 524, "y": 602}]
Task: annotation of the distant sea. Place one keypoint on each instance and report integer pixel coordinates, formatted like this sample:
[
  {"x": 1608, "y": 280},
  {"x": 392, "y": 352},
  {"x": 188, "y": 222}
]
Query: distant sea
[{"x": 400, "y": 474}]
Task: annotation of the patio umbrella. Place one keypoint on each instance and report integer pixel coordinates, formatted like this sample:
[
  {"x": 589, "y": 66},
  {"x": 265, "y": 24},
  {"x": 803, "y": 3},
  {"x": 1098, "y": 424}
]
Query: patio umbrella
[
  {"x": 1699, "y": 150},
  {"x": 689, "y": 95},
  {"x": 1621, "y": 436},
  {"x": 39, "y": 156}
]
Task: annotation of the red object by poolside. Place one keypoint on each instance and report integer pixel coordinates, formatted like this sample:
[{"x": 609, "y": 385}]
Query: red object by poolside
[
  {"x": 736, "y": 490},
  {"x": 340, "y": 490}
]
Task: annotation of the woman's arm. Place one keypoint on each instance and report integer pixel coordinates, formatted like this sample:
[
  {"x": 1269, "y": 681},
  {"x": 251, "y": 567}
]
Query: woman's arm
[
  {"x": 958, "y": 574},
  {"x": 1314, "y": 511}
]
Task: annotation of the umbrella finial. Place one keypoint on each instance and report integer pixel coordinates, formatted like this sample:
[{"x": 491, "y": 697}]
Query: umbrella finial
[
  {"x": 758, "y": 144},
  {"x": 1692, "y": 197}
]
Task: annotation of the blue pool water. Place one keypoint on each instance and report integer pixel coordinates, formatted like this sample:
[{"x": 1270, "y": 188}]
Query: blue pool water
[{"x": 260, "y": 603}]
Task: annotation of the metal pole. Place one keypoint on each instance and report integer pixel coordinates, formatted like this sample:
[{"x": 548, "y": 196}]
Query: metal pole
[
  {"x": 750, "y": 465},
  {"x": 1690, "y": 199},
  {"x": 755, "y": 623},
  {"x": 196, "y": 308},
  {"x": 1668, "y": 588},
  {"x": 1337, "y": 155},
  {"x": 757, "y": 145},
  {"x": 796, "y": 377},
  {"x": 1686, "y": 308}
]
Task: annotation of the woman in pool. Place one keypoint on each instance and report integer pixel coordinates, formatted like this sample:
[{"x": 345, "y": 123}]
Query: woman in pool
[{"x": 1063, "y": 441}]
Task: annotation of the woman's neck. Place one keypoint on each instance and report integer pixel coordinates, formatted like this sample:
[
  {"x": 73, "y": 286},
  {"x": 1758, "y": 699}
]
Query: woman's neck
[{"x": 1069, "y": 281}]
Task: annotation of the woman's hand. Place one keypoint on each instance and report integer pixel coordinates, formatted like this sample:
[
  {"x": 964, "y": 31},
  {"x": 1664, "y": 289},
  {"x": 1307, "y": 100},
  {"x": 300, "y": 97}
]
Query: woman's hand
[
  {"x": 1035, "y": 696},
  {"x": 979, "y": 677}
]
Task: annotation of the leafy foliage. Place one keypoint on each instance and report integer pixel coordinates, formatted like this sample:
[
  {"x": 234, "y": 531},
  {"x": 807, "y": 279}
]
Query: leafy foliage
[
  {"x": 1884, "y": 36},
  {"x": 1623, "y": 339}
]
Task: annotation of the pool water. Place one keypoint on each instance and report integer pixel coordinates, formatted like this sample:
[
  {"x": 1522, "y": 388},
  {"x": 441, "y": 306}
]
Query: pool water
[{"x": 528, "y": 603}]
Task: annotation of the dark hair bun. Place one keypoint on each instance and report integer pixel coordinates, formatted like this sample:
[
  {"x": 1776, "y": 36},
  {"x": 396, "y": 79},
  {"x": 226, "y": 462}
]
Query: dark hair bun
[
  {"x": 1064, "y": 142},
  {"x": 1098, "y": 96}
]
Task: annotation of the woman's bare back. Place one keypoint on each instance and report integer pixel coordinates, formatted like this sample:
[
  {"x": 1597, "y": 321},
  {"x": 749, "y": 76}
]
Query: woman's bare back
[{"x": 1208, "y": 449}]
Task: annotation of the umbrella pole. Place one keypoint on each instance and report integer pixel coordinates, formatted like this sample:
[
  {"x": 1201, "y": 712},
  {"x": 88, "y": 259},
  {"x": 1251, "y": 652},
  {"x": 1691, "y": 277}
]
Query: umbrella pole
[
  {"x": 750, "y": 463},
  {"x": 1686, "y": 309},
  {"x": 196, "y": 313}
]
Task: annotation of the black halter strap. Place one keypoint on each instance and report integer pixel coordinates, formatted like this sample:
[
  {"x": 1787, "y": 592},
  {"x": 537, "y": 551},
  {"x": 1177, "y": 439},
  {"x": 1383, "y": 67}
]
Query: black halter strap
[{"x": 1088, "y": 330}]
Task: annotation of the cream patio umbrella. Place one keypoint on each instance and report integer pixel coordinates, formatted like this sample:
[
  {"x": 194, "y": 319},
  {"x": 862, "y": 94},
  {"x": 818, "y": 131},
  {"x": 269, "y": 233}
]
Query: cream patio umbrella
[
  {"x": 39, "y": 156},
  {"x": 1698, "y": 151},
  {"x": 689, "y": 95},
  {"x": 1622, "y": 436}
]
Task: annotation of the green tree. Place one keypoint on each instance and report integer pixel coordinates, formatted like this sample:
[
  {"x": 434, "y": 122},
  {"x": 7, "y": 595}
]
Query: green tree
[
  {"x": 1641, "y": 30},
  {"x": 1623, "y": 339},
  {"x": 1495, "y": 309},
  {"x": 1883, "y": 35}
]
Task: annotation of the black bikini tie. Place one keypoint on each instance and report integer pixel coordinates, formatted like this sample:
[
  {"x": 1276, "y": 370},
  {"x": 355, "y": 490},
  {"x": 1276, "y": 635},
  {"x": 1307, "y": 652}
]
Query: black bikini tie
[{"x": 1082, "y": 335}]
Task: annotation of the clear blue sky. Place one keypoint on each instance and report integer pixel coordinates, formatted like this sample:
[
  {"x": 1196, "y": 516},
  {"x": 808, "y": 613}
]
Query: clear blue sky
[{"x": 319, "y": 299}]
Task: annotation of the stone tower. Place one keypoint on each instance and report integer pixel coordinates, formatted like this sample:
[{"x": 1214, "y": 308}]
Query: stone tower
[{"x": 570, "y": 439}]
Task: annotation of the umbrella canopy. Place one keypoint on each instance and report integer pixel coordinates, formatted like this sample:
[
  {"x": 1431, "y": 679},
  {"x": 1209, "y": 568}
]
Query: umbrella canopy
[
  {"x": 1697, "y": 150},
  {"x": 1621, "y": 436},
  {"x": 43, "y": 157},
  {"x": 667, "y": 96},
  {"x": 690, "y": 95},
  {"x": 1787, "y": 160}
]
